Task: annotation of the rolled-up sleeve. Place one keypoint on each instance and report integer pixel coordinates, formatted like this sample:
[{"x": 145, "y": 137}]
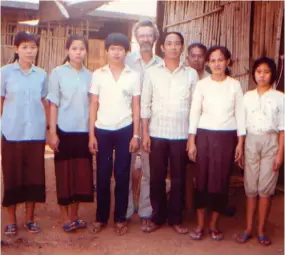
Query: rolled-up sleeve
[
  {"x": 3, "y": 83},
  {"x": 196, "y": 109},
  {"x": 146, "y": 98},
  {"x": 137, "y": 84},
  {"x": 54, "y": 88},
  {"x": 95, "y": 83},
  {"x": 194, "y": 79},
  {"x": 44, "y": 87},
  {"x": 281, "y": 114},
  {"x": 240, "y": 111}
]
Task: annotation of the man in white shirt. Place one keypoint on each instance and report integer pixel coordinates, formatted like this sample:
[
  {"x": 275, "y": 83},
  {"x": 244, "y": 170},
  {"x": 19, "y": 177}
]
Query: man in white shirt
[
  {"x": 146, "y": 34},
  {"x": 115, "y": 110},
  {"x": 165, "y": 106}
]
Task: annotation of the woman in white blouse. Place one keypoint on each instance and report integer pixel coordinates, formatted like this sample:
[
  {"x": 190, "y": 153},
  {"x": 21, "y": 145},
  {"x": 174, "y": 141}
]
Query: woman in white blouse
[{"x": 216, "y": 131}]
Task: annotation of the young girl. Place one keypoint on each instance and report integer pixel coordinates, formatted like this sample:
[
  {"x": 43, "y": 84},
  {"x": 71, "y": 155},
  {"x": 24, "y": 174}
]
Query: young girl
[
  {"x": 264, "y": 146},
  {"x": 68, "y": 133},
  {"x": 215, "y": 138},
  {"x": 23, "y": 89}
]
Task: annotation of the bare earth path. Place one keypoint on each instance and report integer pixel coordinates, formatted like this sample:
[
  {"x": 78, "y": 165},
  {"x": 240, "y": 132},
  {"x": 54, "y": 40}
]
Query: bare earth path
[{"x": 53, "y": 241}]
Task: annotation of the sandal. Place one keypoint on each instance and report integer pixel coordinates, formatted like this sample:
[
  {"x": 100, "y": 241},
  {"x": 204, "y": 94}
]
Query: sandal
[
  {"x": 145, "y": 223},
  {"x": 32, "y": 227},
  {"x": 216, "y": 235},
  {"x": 264, "y": 240},
  {"x": 121, "y": 228},
  {"x": 243, "y": 238},
  {"x": 80, "y": 224},
  {"x": 151, "y": 227},
  {"x": 180, "y": 229},
  {"x": 97, "y": 227},
  {"x": 69, "y": 227},
  {"x": 196, "y": 234},
  {"x": 10, "y": 230}
]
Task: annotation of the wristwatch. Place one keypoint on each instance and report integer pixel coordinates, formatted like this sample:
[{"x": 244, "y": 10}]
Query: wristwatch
[{"x": 136, "y": 136}]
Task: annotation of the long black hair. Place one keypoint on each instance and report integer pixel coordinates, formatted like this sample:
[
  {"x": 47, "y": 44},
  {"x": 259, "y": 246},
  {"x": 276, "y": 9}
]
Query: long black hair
[
  {"x": 69, "y": 41},
  {"x": 21, "y": 37}
]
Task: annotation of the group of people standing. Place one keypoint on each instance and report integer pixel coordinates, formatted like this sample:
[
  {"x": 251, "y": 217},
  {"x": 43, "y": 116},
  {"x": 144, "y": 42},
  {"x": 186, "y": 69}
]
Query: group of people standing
[{"x": 164, "y": 111}]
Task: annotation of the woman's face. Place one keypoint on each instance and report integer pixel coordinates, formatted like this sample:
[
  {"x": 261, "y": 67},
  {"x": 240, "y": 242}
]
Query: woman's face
[
  {"x": 262, "y": 74},
  {"x": 27, "y": 51},
  {"x": 77, "y": 51},
  {"x": 218, "y": 63}
]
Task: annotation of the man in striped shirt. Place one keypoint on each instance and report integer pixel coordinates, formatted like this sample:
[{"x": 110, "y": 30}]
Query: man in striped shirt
[{"x": 165, "y": 106}]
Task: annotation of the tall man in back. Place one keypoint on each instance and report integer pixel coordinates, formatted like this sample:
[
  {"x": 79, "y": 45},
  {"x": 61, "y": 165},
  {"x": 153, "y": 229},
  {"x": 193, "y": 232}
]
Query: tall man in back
[{"x": 146, "y": 34}]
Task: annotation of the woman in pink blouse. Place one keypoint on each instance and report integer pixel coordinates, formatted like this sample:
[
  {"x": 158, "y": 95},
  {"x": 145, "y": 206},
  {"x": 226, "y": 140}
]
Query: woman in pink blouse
[{"x": 216, "y": 132}]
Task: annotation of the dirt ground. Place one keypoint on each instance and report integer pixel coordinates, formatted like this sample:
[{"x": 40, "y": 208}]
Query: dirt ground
[{"x": 52, "y": 240}]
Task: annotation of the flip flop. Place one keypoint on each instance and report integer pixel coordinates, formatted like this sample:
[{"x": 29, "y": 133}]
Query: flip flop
[
  {"x": 264, "y": 240},
  {"x": 80, "y": 223},
  {"x": 32, "y": 227},
  {"x": 121, "y": 228},
  {"x": 97, "y": 227},
  {"x": 10, "y": 230},
  {"x": 196, "y": 235},
  {"x": 69, "y": 227},
  {"x": 216, "y": 235},
  {"x": 243, "y": 238},
  {"x": 180, "y": 229}
]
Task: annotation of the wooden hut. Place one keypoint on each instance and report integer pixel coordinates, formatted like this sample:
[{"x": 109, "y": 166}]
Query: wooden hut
[
  {"x": 54, "y": 30},
  {"x": 249, "y": 29}
]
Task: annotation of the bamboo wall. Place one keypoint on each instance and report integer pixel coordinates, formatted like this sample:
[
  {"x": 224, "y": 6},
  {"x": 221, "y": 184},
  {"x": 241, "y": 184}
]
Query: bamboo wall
[
  {"x": 230, "y": 24},
  {"x": 52, "y": 44}
]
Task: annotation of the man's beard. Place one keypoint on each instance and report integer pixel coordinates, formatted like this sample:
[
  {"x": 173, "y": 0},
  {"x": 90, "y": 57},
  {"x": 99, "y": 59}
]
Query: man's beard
[{"x": 146, "y": 47}]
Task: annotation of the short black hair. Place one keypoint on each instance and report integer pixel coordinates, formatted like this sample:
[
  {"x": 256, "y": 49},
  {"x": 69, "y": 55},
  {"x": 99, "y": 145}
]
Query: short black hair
[
  {"x": 170, "y": 33},
  {"x": 117, "y": 39},
  {"x": 271, "y": 64},
  {"x": 227, "y": 54},
  {"x": 224, "y": 50},
  {"x": 198, "y": 45},
  {"x": 22, "y": 36}
]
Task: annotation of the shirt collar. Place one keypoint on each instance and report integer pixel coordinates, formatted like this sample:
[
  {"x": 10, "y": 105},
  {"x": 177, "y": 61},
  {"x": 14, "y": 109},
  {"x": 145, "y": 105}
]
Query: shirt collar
[
  {"x": 67, "y": 64},
  {"x": 138, "y": 57},
  {"x": 107, "y": 68},
  {"x": 17, "y": 67},
  {"x": 181, "y": 65}
]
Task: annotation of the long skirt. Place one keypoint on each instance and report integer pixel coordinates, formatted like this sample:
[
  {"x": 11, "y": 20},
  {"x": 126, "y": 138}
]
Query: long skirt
[
  {"x": 23, "y": 167},
  {"x": 73, "y": 168},
  {"x": 214, "y": 164}
]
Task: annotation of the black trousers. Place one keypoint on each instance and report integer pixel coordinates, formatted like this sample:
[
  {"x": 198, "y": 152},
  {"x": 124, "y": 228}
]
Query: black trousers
[
  {"x": 107, "y": 141},
  {"x": 163, "y": 150}
]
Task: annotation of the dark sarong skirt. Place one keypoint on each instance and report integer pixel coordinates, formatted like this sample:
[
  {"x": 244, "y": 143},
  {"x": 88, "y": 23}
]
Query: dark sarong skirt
[
  {"x": 73, "y": 168},
  {"x": 214, "y": 164},
  {"x": 23, "y": 167}
]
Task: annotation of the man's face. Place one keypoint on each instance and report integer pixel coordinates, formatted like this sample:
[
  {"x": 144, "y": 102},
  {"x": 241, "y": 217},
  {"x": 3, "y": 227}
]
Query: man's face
[
  {"x": 172, "y": 47},
  {"x": 145, "y": 38},
  {"x": 116, "y": 54},
  {"x": 196, "y": 59}
]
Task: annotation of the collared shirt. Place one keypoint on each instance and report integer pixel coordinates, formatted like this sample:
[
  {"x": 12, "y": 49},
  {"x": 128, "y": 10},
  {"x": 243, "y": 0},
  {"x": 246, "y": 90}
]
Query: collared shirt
[
  {"x": 264, "y": 113},
  {"x": 115, "y": 97},
  {"x": 217, "y": 106},
  {"x": 134, "y": 61},
  {"x": 166, "y": 100},
  {"x": 23, "y": 116},
  {"x": 68, "y": 89}
]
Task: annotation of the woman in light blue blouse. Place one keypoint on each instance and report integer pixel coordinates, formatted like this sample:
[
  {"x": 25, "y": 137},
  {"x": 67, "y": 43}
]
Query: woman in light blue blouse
[
  {"x": 68, "y": 133},
  {"x": 23, "y": 89}
]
